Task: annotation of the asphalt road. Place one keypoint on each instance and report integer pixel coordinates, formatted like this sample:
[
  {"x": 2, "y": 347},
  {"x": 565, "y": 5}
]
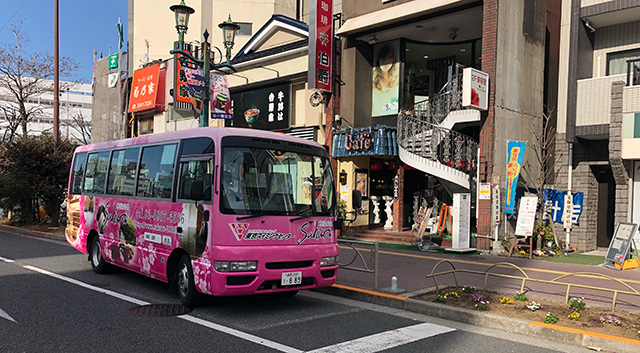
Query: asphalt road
[{"x": 51, "y": 301}]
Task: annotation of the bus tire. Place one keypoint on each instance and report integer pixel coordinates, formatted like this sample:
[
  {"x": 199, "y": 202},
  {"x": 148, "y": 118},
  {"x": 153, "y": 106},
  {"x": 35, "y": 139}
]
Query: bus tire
[
  {"x": 97, "y": 261},
  {"x": 187, "y": 292}
]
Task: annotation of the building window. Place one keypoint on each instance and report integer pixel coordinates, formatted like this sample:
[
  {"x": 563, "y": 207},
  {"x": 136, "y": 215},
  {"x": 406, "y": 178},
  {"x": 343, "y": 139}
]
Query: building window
[
  {"x": 636, "y": 125},
  {"x": 617, "y": 62},
  {"x": 245, "y": 29},
  {"x": 145, "y": 126}
]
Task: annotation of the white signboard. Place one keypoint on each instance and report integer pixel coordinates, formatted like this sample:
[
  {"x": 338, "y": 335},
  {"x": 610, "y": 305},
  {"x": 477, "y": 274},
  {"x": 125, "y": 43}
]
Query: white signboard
[
  {"x": 566, "y": 216},
  {"x": 460, "y": 212},
  {"x": 495, "y": 205},
  {"x": 484, "y": 191},
  {"x": 526, "y": 216},
  {"x": 475, "y": 89}
]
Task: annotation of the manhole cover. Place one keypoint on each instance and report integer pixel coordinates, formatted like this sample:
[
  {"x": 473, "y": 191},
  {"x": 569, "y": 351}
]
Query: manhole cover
[{"x": 159, "y": 310}]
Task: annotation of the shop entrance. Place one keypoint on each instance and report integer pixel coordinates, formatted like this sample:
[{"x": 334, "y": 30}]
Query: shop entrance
[
  {"x": 606, "y": 204},
  {"x": 382, "y": 173}
]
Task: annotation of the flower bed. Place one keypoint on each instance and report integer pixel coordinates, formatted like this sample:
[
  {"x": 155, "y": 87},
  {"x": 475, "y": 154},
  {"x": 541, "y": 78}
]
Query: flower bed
[{"x": 586, "y": 318}]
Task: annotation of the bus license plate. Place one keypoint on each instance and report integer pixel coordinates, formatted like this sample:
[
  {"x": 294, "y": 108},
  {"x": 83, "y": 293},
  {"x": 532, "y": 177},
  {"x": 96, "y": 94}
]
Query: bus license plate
[{"x": 291, "y": 278}]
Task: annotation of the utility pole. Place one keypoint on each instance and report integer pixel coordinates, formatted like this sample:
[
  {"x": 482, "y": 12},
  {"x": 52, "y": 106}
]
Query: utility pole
[{"x": 56, "y": 79}]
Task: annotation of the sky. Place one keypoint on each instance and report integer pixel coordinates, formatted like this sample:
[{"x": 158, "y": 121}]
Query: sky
[{"x": 84, "y": 26}]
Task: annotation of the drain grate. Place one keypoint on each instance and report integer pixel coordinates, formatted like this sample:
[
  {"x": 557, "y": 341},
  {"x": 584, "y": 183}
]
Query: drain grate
[{"x": 159, "y": 310}]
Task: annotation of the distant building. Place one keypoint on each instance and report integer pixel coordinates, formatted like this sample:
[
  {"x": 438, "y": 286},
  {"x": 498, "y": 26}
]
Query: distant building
[{"x": 75, "y": 112}]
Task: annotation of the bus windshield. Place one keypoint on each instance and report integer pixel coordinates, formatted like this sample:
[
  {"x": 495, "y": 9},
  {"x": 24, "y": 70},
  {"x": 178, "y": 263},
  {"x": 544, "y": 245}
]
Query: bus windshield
[{"x": 258, "y": 181}]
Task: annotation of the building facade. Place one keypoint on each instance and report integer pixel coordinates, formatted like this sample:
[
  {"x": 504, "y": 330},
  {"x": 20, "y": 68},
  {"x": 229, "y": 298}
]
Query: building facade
[
  {"x": 403, "y": 64},
  {"x": 599, "y": 115},
  {"x": 75, "y": 112}
]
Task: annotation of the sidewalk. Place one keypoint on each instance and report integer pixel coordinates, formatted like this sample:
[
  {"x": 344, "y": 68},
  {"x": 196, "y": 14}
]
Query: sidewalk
[{"x": 411, "y": 267}]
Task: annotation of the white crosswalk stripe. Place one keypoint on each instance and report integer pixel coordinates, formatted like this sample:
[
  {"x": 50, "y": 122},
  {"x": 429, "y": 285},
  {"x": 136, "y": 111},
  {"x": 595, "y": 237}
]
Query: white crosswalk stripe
[{"x": 387, "y": 340}]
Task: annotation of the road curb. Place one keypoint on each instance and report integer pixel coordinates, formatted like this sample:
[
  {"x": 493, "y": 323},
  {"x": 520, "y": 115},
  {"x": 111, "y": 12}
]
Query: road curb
[
  {"x": 31, "y": 233},
  {"x": 503, "y": 323}
]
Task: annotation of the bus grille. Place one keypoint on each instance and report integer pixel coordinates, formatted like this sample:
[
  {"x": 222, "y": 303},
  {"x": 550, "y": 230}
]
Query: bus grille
[{"x": 288, "y": 265}]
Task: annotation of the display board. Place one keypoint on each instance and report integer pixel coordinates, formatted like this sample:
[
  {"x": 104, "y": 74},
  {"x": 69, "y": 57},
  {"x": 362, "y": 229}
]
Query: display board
[
  {"x": 526, "y": 216},
  {"x": 620, "y": 245}
]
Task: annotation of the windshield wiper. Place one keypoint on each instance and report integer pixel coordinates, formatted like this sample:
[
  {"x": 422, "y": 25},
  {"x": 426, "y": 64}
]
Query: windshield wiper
[
  {"x": 305, "y": 210},
  {"x": 250, "y": 216}
]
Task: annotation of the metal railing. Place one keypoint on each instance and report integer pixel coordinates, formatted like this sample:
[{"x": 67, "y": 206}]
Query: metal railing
[
  {"x": 524, "y": 278},
  {"x": 434, "y": 142},
  {"x": 358, "y": 261},
  {"x": 436, "y": 108}
]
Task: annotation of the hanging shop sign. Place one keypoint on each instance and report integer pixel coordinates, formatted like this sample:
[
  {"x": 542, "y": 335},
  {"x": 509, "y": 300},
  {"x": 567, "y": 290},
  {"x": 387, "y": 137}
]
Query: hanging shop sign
[
  {"x": 366, "y": 141},
  {"x": 144, "y": 88},
  {"x": 475, "y": 89},
  {"x": 218, "y": 93},
  {"x": 264, "y": 108},
  {"x": 181, "y": 97},
  {"x": 320, "y": 44},
  {"x": 515, "y": 153}
]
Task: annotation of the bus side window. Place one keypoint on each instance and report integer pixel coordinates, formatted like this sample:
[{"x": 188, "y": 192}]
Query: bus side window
[
  {"x": 122, "y": 172},
  {"x": 96, "y": 175},
  {"x": 77, "y": 173},
  {"x": 156, "y": 171},
  {"x": 195, "y": 170}
]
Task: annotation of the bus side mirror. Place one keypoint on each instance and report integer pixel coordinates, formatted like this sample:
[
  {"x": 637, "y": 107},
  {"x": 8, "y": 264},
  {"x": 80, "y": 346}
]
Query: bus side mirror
[
  {"x": 356, "y": 199},
  {"x": 197, "y": 190}
]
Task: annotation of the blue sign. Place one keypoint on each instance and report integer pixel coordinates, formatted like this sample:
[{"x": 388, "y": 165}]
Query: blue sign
[
  {"x": 515, "y": 155},
  {"x": 553, "y": 203}
]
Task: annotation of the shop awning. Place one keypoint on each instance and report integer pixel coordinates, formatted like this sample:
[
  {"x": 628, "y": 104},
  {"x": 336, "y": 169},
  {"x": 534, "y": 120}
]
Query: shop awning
[
  {"x": 365, "y": 141},
  {"x": 397, "y": 13}
]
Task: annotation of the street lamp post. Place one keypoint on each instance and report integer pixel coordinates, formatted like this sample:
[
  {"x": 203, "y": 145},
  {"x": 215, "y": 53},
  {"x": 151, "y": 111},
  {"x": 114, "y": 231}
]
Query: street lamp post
[{"x": 182, "y": 12}]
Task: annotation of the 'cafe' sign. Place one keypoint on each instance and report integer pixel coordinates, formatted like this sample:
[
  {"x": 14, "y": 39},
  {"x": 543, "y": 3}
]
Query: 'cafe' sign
[{"x": 358, "y": 141}]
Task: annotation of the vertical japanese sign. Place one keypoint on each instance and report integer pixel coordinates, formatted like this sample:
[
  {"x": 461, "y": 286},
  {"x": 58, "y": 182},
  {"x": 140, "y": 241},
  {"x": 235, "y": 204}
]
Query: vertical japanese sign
[
  {"x": 181, "y": 98},
  {"x": 320, "y": 44},
  {"x": 144, "y": 88},
  {"x": 515, "y": 155}
]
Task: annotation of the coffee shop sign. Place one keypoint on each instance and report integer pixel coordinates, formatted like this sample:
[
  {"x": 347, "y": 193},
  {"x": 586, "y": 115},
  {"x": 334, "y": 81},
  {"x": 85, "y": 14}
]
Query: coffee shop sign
[{"x": 358, "y": 141}]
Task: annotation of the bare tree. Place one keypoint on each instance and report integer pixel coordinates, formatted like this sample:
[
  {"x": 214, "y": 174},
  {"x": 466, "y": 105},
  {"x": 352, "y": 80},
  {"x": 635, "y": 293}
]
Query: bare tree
[
  {"x": 25, "y": 76},
  {"x": 545, "y": 139},
  {"x": 10, "y": 122},
  {"x": 79, "y": 128}
]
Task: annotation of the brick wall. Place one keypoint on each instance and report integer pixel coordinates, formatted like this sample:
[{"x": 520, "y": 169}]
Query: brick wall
[{"x": 489, "y": 40}]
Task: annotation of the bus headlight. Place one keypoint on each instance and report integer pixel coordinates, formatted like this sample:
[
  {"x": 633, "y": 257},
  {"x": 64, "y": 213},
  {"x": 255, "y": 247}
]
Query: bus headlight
[
  {"x": 329, "y": 261},
  {"x": 235, "y": 266}
]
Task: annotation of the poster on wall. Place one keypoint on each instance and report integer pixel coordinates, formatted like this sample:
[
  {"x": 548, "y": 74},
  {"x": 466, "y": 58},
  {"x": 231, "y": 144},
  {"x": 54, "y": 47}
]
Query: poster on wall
[
  {"x": 386, "y": 78},
  {"x": 264, "y": 108},
  {"x": 362, "y": 179},
  {"x": 515, "y": 154}
]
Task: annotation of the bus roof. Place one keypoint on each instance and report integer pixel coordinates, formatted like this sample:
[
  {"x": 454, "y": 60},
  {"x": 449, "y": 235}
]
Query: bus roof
[{"x": 216, "y": 133}]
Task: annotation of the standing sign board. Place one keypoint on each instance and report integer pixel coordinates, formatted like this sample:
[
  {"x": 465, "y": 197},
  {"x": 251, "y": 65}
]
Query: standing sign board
[
  {"x": 526, "y": 216},
  {"x": 461, "y": 232},
  {"x": 620, "y": 245},
  {"x": 320, "y": 44}
]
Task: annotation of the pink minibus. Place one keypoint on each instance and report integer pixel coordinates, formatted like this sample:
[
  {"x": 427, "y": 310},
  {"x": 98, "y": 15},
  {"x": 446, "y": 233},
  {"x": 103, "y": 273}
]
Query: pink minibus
[{"x": 218, "y": 211}]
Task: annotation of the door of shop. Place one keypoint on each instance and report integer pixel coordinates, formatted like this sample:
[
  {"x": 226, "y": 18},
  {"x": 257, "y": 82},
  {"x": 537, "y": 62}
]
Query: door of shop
[{"x": 606, "y": 204}]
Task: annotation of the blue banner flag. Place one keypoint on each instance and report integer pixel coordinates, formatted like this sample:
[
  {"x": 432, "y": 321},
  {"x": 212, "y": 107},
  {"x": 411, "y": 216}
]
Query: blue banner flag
[
  {"x": 553, "y": 204},
  {"x": 515, "y": 156}
]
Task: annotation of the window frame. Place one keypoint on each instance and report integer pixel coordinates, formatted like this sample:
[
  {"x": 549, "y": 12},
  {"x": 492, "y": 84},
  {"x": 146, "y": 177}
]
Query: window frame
[
  {"x": 175, "y": 164},
  {"x": 135, "y": 178},
  {"x": 84, "y": 170}
]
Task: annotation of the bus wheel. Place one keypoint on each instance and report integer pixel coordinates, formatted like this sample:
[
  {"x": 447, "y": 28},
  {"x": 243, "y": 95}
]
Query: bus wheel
[
  {"x": 97, "y": 261},
  {"x": 185, "y": 283}
]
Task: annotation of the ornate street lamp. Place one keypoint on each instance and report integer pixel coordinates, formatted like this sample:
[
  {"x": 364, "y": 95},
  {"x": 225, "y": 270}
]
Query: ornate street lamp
[
  {"x": 182, "y": 13},
  {"x": 229, "y": 29}
]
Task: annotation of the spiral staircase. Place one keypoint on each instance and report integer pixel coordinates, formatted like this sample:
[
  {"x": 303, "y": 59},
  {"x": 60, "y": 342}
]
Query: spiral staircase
[{"x": 427, "y": 141}]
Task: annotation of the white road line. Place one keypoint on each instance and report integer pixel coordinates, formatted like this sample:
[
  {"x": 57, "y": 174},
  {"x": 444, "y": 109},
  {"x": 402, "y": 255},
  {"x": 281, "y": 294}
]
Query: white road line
[
  {"x": 5, "y": 259},
  {"x": 387, "y": 340},
  {"x": 4, "y": 315},
  {"x": 193, "y": 319}
]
